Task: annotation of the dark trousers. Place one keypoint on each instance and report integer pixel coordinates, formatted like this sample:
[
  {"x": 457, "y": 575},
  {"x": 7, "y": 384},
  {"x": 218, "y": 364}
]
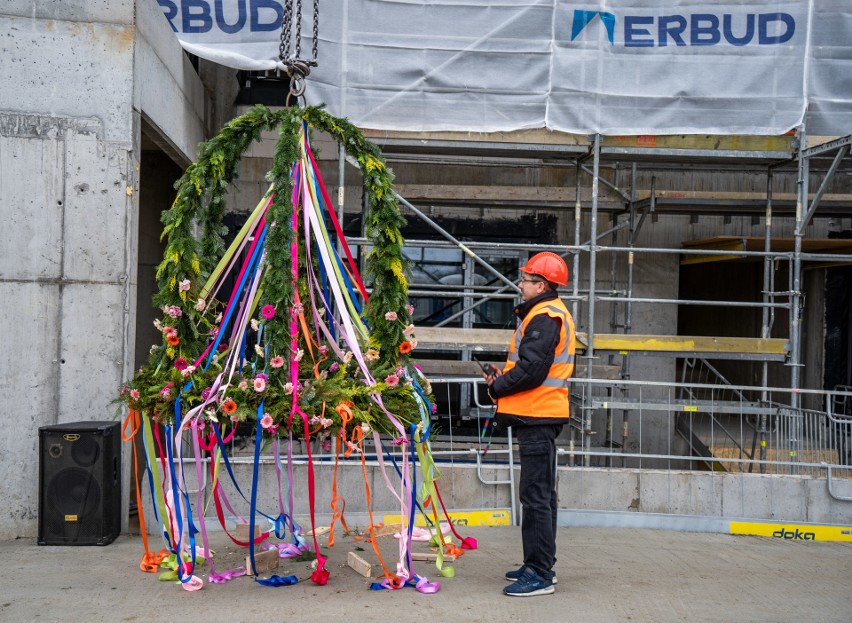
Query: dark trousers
[{"x": 537, "y": 445}]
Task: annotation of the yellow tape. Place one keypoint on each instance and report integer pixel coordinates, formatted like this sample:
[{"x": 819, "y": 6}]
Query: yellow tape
[
  {"x": 690, "y": 408},
  {"x": 793, "y": 532},
  {"x": 496, "y": 517}
]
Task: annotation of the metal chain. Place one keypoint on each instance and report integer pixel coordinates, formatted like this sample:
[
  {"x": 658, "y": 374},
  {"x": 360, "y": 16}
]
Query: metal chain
[{"x": 297, "y": 68}]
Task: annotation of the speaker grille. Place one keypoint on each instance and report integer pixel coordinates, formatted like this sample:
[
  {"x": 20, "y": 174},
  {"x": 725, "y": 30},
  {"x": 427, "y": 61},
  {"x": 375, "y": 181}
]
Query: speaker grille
[{"x": 80, "y": 483}]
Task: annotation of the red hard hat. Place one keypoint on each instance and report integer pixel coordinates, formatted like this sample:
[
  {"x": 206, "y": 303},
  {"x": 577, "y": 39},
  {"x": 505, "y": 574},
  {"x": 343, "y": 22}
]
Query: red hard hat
[{"x": 548, "y": 265}]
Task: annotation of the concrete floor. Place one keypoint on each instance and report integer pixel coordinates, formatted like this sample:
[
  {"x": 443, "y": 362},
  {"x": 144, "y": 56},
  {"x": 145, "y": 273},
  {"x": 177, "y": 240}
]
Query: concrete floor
[{"x": 605, "y": 575}]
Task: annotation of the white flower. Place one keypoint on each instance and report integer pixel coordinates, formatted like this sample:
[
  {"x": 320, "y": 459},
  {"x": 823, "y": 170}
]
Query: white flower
[
  {"x": 218, "y": 318},
  {"x": 258, "y": 350},
  {"x": 158, "y": 325},
  {"x": 200, "y": 305},
  {"x": 299, "y": 354},
  {"x": 254, "y": 324},
  {"x": 347, "y": 357},
  {"x": 288, "y": 389},
  {"x": 183, "y": 286},
  {"x": 409, "y": 329}
]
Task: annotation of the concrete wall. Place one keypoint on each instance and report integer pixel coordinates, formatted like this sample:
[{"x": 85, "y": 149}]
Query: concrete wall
[{"x": 75, "y": 79}]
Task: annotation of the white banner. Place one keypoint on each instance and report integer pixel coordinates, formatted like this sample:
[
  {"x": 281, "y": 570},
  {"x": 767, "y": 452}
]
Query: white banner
[{"x": 611, "y": 66}]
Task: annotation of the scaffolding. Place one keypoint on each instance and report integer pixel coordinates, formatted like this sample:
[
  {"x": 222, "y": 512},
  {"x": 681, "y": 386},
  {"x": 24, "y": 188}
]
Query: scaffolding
[{"x": 606, "y": 356}]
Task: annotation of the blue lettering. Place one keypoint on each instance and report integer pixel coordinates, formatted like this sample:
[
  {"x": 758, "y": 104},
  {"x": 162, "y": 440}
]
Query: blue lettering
[
  {"x": 203, "y": 20},
  {"x": 225, "y": 26},
  {"x": 170, "y": 10},
  {"x": 671, "y": 26},
  {"x": 729, "y": 34},
  {"x": 763, "y": 21},
  {"x": 632, "y": 30},
  {"x": 704, "y": 35},
  {"x": 265, "y": 5}
]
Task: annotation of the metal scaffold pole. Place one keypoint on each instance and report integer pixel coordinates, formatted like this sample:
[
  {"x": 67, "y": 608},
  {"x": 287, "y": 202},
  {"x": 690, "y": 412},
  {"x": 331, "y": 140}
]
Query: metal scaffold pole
[
  {"x": 796, "y": 298},
  {"x": 590, "y": 322},
  {"x": 766, "y": 320}
]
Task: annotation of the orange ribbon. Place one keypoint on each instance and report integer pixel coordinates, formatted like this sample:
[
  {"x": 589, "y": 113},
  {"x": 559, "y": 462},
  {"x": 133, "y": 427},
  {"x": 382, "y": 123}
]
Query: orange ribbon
[{"x": 150, "y": 561}]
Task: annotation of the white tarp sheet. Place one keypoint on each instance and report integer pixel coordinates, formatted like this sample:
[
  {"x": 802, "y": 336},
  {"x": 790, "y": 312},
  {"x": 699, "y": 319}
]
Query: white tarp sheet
[{"x": 611, "y": 66}]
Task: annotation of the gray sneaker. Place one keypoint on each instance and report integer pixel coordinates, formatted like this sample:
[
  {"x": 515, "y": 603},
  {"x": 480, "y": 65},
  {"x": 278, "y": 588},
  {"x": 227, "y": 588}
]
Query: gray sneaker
[
  {"x": 517, "y": 573},
  {"x": 530, "y": 584}
]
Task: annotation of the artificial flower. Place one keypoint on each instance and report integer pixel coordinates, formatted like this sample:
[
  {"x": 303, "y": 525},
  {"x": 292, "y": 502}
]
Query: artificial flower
[
  {"x": 288, "y": 389},
  {"x": 298, "y": 308},
  {"x": 183, "y": 286},
  {"x": 299, "y": 354},
  {"x": 229, "y": 406},
  {"x": 268, "y": 312},
  {"x": 174, "y": 311},
  {"x": 134, "y": 394},
  {"x": 173, "y": 340},
  {"x": 277, "y": 362},
  {"x": 266, "y": 421},
  {"x": 408, "y": 330},
  {"x": 259, "y": 385},
  {"x": 392, "y": 380},
  {"x": 405, "y": 348},
  {"x": 181, "y": 363},
  {"x": 200, "y": 305},
  {"x": 410, "y": 309},
  {"x": 391, "y": 316}
]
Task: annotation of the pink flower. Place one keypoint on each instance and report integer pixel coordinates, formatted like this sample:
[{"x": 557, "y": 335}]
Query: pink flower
[
  {"x": 205, "y": 393},
  {"x": 410, "y": 309},
  {"x": 408, "y": 330},
  {"x": 183, "y": 286},
  {"x": 169, "y": 331},
  {"x": 323, "y": 350},
  {"x": 277, "y": 362},
  {"x": 392, "y": 380},
  {"x": 288, "y": 389},
  {"x": 174, "y": 311},
  {"x": 180, "y": 363},
  {"x": 259, "y": 385},
  {"x": 268, "y": 312},
  {"x": 262, "y": 376},
  {"x": 391, "y": 315},
  {"x": 200, "y": 305},
  {"x": 434, "y": 408},
  {"x": 243, "y": 385},
  {"x": 298, "y": 308},
  {"x": 214, "y": 331},
  {"x": 266, "y": 421},
  {"x": 134, "y": 394},
  {"x": 166, "y": 392}
]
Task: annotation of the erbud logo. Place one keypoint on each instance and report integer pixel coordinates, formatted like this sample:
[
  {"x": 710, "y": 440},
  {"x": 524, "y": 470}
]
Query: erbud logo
[
  {"x": 582, "y": 19},
  {"x": 202, "y": 16},
  {"x": 695, "y": 29}
]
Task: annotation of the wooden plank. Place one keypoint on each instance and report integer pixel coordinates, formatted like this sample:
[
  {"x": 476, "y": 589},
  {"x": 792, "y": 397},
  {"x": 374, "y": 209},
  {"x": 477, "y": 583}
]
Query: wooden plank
[
  {"x": 498, "y": 339},
  {"x": 391, "y": 528},
  {"x": 431, "y": 556},
  {"x": 263, "y": 561},
  {"x": 318, "y": 531},
  {"x": 359, "y": 565},
  {"x": 242, "y": 532}
]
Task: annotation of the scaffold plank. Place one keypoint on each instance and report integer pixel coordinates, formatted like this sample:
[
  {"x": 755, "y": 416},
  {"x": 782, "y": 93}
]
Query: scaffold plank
[{"x": 497, "y": 340}]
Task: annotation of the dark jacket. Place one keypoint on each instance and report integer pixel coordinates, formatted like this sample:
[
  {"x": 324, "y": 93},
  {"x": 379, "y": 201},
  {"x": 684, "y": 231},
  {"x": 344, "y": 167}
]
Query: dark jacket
[{"x": 535, "y": 356}]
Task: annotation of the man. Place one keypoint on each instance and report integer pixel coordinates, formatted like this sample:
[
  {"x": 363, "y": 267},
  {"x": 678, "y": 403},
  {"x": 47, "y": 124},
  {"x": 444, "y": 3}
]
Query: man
[{"x": 532, "y": 397}]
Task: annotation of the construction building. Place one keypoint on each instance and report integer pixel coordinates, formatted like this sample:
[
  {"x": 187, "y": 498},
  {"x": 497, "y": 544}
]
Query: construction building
[{"x": 711, "y": 276}]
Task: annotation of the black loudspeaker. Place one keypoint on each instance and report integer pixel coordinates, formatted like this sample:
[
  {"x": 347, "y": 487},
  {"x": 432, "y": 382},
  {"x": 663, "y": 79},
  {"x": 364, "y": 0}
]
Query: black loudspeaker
[{"x": 79, "y": 483}]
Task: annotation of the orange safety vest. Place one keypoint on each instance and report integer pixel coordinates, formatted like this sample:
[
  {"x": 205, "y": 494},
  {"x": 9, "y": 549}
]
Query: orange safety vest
[{"x": 550, "y": 399}]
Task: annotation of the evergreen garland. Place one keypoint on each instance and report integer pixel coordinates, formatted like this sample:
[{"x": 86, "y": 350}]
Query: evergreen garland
[{"x": 188, "y": 263}]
